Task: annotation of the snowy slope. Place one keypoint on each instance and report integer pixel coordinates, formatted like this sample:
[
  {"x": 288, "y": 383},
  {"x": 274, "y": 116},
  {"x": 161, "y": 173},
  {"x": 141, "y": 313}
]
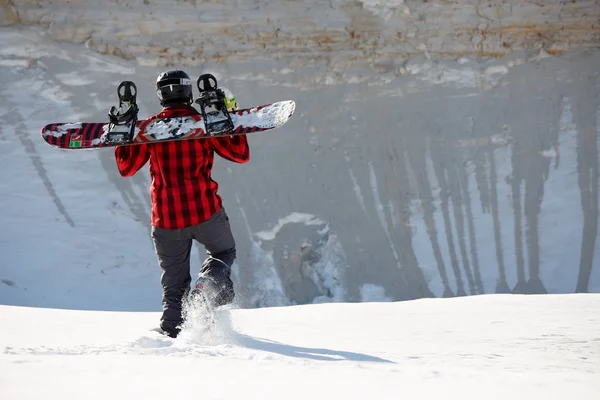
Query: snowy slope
[
  {"x": 458, "y": 154},
  {"x": 60, "y": 215},
  {"x": 492, "y": 347}
]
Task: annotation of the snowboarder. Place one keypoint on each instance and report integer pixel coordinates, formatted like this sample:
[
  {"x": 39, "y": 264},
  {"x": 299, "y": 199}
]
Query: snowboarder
[{"x": 185, "y": 203}]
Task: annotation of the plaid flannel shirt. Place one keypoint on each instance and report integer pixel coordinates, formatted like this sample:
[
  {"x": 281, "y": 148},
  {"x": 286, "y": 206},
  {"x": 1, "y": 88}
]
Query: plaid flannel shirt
[{"x": 182, "y": 190}]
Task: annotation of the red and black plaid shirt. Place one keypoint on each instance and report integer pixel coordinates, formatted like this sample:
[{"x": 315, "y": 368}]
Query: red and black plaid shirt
[{"x": 182, "y": 190}]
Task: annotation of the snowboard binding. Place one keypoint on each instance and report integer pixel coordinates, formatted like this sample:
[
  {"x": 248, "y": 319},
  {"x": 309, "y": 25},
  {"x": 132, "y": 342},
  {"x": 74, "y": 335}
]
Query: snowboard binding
[
  {"x": 123, "y": 119},
  {"x": 218, "y": 120}
]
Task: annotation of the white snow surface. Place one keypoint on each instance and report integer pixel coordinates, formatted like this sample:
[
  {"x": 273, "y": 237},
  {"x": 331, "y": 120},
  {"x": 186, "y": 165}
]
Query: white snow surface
[
  {"x": 493, "y": 347},
  {"x": 307, "y": 219},
  {"x": 486, "y": 346}
]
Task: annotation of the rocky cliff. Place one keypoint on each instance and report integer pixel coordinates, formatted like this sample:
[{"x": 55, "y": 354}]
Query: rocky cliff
[{"x": 439, "y": 148}]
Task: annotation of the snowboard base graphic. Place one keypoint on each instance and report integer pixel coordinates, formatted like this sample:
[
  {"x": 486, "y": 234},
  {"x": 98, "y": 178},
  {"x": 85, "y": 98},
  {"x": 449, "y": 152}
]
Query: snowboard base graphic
[{"x": 92, "y": 135}]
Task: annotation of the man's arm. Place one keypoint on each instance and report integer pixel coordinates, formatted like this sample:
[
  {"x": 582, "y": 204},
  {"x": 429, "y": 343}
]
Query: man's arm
[
  {"x": 232, "y": 148},
  {"x": 131, "y": 158}
]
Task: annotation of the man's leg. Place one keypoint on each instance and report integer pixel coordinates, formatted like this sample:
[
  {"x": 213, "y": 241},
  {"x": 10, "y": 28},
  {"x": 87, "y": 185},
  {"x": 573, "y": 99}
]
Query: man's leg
[
  {"x": 173, "y": 252},
  {"x": 216, "y": 236}
]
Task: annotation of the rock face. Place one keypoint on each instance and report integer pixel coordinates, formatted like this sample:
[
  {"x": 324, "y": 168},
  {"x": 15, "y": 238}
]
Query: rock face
[
  {"x": 439, "y": 148},
  {"x": 343, "y": 32}
]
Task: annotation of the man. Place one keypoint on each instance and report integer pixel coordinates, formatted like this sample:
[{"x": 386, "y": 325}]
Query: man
[{"x": 185, "y": 203}]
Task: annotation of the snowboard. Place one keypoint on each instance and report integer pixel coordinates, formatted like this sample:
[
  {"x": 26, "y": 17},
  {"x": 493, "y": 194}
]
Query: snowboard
[
  {"x": 91, "y": 135},
  {"x": 123, "y": 128}
]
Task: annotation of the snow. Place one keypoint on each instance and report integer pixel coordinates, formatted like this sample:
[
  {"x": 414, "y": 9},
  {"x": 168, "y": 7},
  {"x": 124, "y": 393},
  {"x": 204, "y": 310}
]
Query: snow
[
  {"x": 372, "y": 293},
  {"x": 380, "y": 212},
  {"x": 323, "y": 215},
  {"x": 494, "y": 347},
  {"x": 459, "y": 76},
  {"x": 385, "y": 9},
  {"x": 297, "y": 218},
  {"x": 82, "y": 198}
]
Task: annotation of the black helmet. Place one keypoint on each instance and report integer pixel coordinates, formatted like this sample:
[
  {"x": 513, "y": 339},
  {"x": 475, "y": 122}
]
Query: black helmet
[{"x": 174, "y": 86}]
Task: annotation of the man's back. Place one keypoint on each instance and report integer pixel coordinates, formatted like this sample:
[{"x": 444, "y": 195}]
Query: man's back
[
  {"x": 182, "y": 190},
  {"x": 186, "y": 206}
]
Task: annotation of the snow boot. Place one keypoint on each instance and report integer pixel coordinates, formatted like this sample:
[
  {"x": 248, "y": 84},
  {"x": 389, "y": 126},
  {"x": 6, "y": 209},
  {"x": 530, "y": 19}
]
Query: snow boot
[{"x": 164, "y": 332}]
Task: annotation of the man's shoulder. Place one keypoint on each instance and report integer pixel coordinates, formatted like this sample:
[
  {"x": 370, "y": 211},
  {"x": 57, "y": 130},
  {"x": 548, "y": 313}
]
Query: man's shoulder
[{"x": 176, "y": 111}]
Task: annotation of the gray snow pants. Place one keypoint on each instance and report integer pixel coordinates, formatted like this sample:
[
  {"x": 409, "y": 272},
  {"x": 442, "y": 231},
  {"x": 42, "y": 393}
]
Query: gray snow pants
[{"x": 173, "y": 248}]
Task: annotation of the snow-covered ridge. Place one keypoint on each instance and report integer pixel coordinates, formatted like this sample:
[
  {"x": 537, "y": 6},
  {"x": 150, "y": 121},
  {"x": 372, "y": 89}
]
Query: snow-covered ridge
[
  {"x": 354, "y": 33},
  {"x": 508, "y": 347}
]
